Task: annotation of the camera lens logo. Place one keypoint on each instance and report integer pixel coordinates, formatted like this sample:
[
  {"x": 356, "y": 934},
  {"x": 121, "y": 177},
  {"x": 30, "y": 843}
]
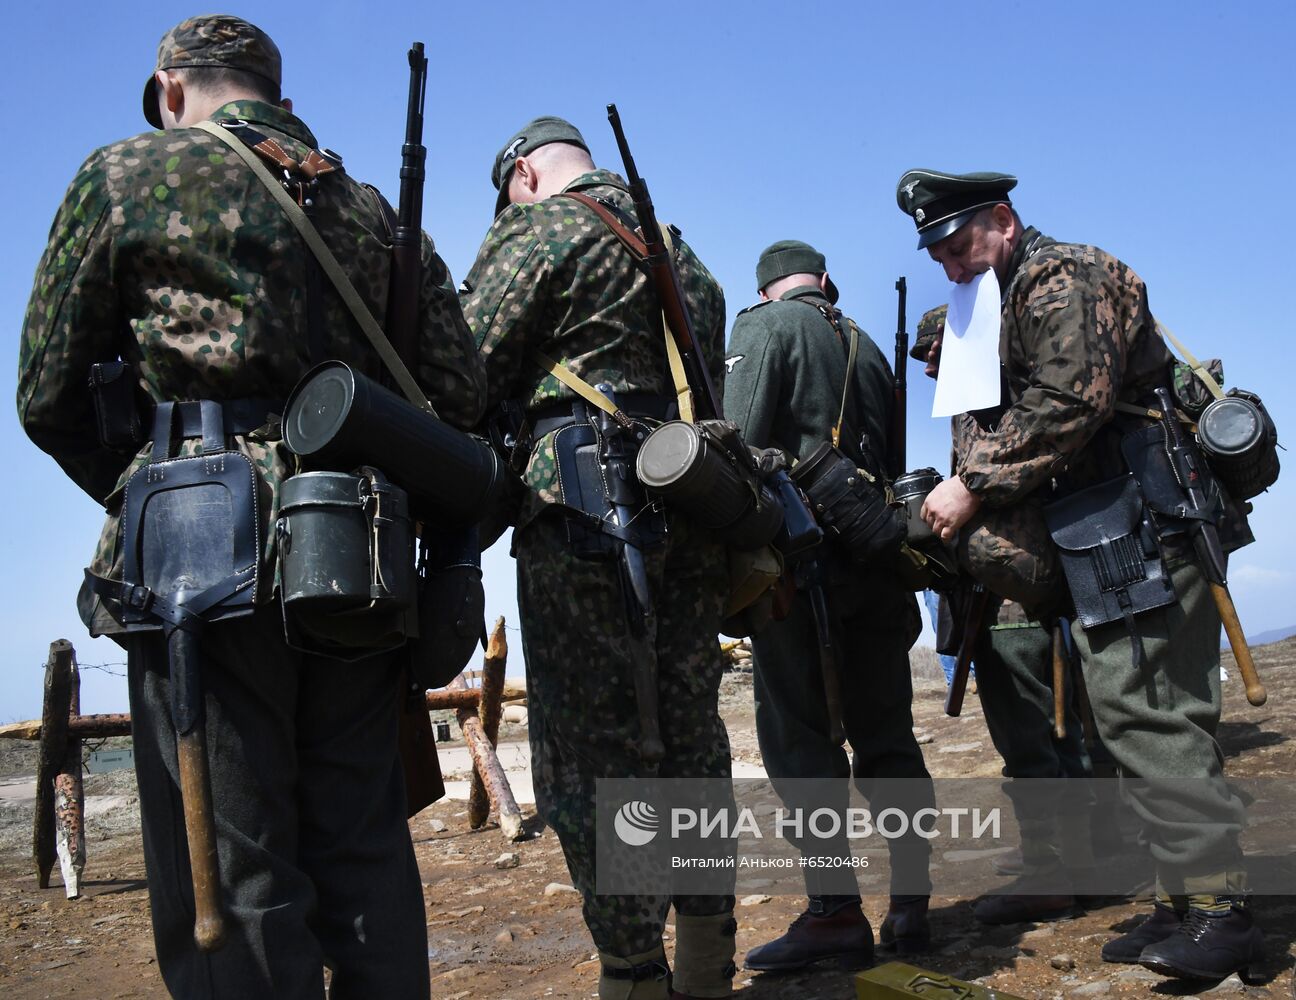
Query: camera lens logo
[{"x": 636, "y": 823}]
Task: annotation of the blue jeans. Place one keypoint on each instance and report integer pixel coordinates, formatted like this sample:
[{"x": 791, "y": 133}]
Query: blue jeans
[{"x": 932, "y": 600}]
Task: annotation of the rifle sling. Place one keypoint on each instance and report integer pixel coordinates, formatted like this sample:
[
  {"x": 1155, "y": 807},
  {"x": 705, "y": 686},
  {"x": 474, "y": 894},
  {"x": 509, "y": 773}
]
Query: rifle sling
[
  {"x": 639, "y": 250},
  {"x": 315, "y": 243}
]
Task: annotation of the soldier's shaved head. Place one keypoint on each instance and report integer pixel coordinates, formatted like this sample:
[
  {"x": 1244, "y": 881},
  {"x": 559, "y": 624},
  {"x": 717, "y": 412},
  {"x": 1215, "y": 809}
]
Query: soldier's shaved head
[{"x": 545, "y": 171}]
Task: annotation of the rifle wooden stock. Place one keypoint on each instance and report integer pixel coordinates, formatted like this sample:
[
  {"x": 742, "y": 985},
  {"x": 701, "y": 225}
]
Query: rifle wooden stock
[
  {"x": 665, "y": 279},
  {"x": 967, "y": 644},
  {"x": 1255, "y": 690}
]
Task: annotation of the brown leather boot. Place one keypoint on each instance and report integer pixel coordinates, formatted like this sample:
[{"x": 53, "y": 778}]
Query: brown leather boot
[
  {"x": 905, "y": 929},
  {"x": 832, "y": 927}
]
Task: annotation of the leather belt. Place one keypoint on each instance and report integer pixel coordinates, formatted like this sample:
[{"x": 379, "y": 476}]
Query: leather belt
[
  {"x": 634, "y": 404},
  {"x": 241, "y": 416}
]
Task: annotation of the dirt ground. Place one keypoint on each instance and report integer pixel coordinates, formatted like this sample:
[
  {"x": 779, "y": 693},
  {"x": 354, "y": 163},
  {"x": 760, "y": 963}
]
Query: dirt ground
[{"x": 517, "y": 933}]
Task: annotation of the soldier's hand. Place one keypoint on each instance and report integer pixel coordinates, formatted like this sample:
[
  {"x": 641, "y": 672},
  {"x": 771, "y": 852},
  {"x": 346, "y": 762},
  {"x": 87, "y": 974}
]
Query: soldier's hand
[{"x": 949, "y": 506}]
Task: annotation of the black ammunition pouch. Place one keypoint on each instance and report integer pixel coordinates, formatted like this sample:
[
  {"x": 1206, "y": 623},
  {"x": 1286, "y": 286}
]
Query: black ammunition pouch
[
  {"x": 191, "y": 530},
  {"x": 849, "y": 506},
  {"x": 589, "y": 484},
  {"x": 451, "y": 607},
  {"x": 1111, "y": 553},
  {"x": 117, "y": 413},
  {"x": 346, "y": 563}
]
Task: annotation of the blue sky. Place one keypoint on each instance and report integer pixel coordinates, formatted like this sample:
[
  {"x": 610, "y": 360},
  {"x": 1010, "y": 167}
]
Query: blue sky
[{"x": 1158, "y": 131}]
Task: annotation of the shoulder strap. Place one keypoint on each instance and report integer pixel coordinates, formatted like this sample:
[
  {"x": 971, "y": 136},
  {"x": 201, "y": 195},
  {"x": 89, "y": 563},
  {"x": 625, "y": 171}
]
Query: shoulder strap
[
  {"x": 639, "y": 250},
  {"x": 837, "y": 320},
  {"x": 1198, "y": 368},
  {"x": 363, "y": 317}
]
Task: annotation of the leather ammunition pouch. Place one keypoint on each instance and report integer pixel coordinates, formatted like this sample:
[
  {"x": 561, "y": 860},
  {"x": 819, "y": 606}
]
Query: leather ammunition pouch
[
  {"x": 451, "y": 607},
  {"x": 587, "y": 492},
  {"x": 346, "y": 563},
  {"x": 848, "y": 506},
  {"x": 1111, "y": 553},
  {"x": 117, "y": 416},
  {"x": 190, "y": 528}
]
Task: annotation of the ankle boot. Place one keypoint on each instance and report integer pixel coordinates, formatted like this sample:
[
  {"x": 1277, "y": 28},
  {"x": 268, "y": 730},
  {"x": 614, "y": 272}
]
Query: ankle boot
[
  {"x": 905, "y": 929},
  {"x": 636, "y": 977},
  {"x": 1208, "y": 945},
  {"x": 704, "y": 956},
  {"x": 1127, "y": 948},
  {"x": 832, "y": 927}
]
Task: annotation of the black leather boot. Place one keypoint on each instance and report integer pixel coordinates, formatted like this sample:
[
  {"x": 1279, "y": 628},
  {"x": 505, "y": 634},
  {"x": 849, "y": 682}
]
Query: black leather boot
[
  {"x": 1208, "y": 945},
  {"x": 905, "y": 929},
  {"x": 1129, "y": 947},
  {"x": 832, "y": 927}
]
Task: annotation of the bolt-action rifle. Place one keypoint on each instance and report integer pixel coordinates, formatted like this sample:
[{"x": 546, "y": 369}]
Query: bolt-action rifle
[
  {"x": 665, "y": 278},
  {"x": 1210, "y": 553},
  {"x": 900, "y": 384},
  {"x": 423, "y": 783}
]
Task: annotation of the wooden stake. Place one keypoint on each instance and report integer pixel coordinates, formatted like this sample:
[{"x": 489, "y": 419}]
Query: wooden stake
[
  {"x": 69, "y": 798},
  {"x": 53, "y": 749}
]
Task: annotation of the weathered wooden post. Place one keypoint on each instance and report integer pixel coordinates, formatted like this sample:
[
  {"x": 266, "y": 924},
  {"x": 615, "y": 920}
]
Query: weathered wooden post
[
  {"x": 486, "y": 765},
  {"x": 53, "y": 750},
  {"x": 69, "y": 797},
  {"x": 492, "y": 706}
]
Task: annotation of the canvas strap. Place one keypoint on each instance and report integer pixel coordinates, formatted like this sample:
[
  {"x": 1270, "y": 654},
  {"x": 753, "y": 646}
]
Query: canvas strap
[
  {"x": 639, "y": 250},
  {"x": 363, "y": 317}
]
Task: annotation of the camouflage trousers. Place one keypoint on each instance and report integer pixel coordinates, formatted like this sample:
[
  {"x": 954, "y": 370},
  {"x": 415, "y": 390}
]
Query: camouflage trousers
[{"x": 583, "y": 717}]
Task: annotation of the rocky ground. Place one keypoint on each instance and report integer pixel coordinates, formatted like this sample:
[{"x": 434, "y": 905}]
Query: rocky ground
[{"x": 504, "y": 923}]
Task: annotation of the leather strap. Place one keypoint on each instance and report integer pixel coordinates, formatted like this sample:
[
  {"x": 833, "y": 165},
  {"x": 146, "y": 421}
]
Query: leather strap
[
  {"x": 363, "y": 317},
  {"x": 639, "y": 250}
]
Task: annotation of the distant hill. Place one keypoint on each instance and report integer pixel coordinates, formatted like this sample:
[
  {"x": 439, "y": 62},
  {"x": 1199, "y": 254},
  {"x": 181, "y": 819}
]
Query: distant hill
[{"x": 1264, "y": 638}]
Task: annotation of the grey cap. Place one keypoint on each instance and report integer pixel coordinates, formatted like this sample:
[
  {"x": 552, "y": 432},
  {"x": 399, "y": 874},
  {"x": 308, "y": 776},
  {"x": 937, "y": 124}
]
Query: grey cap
[
  {"x": 785, "y": 257},
  {"x": 213, "y": 40},
  {"x": 940, "y": 204},
  {"x": 530, "y": 137}
]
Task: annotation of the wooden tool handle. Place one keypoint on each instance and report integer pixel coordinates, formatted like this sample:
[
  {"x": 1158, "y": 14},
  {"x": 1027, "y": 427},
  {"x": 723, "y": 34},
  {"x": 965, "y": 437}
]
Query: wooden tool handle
[
  {"x": 200, "y": 831},
  {"x": 967, "y": 644},
  {"x": 1255, "y": 690},
  {"x": 1059, "y": 683}
]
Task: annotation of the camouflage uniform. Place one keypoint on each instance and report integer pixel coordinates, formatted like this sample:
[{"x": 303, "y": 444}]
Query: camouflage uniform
[
  {"x": 168, "y": 252},
  {"x": 787, "y": 369},
  {"x": 1087, "y": 313},
  {"x": 551, "y": 276}
]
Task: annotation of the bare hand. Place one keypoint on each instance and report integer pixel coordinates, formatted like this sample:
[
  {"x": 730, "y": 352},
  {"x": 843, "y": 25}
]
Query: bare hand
[{"x": 948, "y": 507}]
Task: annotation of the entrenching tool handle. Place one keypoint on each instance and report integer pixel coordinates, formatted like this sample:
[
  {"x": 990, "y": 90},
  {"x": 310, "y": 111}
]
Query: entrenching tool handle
[
  {"x": 1059, "y": 683},
  {"x": 963, "y": 665},
  {"x": 196, "y": 796},
  {"x": 828, "y": 666},
  {"x": 1255, "y": 690}
]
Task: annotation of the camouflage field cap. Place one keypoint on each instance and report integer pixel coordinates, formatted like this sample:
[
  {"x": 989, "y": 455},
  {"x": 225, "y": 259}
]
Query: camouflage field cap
[
  {"x": 785, "y": 257},
  {"x": 213, "y": 40},
  {"x": 941, "y": 203},
  {"x": 930, "y": 327},
  {"x": 530, "y": 137}
]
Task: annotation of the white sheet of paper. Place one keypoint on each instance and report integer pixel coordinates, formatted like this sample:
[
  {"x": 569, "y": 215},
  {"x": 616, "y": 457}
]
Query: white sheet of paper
[{"x": 969, "y": 358}]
